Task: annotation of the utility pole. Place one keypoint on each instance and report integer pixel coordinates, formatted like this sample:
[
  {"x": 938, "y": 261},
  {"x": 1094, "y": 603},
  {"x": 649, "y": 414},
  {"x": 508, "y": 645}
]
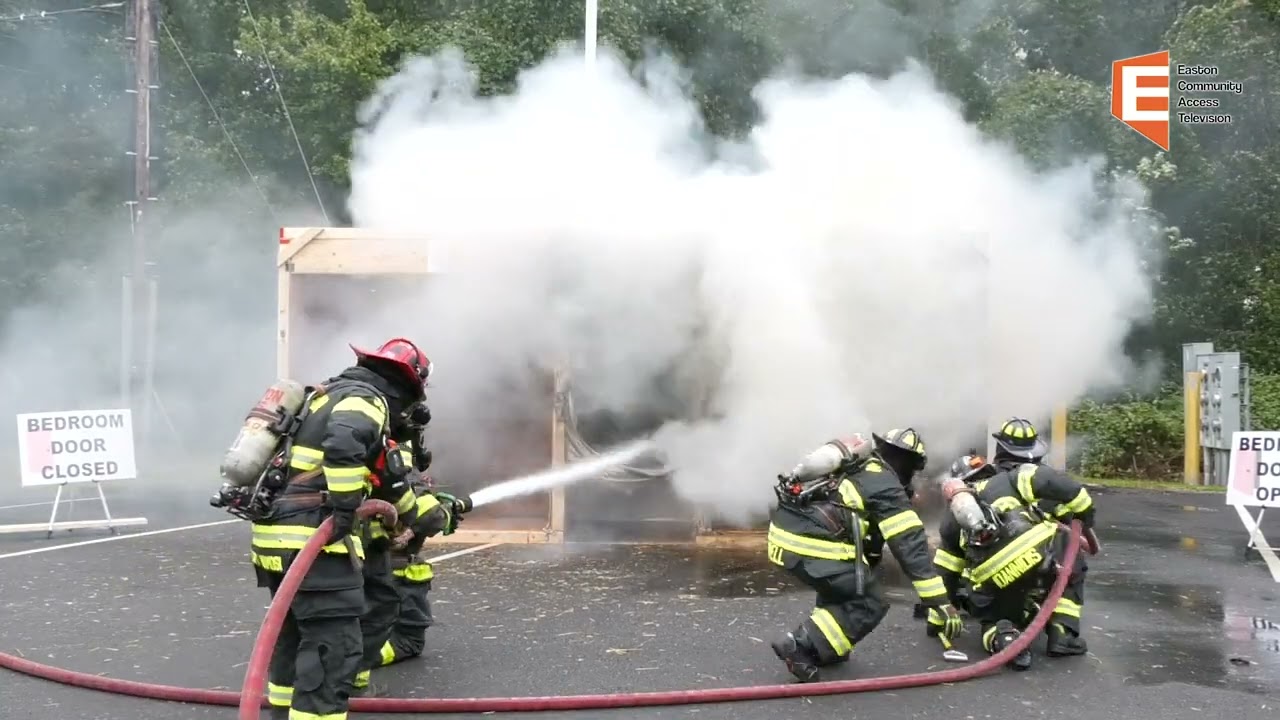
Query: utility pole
[{"x": 139, "y": 295}]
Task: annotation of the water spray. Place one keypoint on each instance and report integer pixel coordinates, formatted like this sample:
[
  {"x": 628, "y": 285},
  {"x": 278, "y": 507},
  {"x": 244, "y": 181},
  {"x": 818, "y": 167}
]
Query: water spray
[{"x": 557, "y": 476}]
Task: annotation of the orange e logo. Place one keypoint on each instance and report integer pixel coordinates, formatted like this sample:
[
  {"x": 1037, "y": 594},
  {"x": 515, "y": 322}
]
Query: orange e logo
[{"x": 1140, "y": 95}]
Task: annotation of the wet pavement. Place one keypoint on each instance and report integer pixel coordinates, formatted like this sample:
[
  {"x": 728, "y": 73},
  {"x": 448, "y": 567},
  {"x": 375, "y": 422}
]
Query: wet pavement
[{"x": 1180, "y": 624}]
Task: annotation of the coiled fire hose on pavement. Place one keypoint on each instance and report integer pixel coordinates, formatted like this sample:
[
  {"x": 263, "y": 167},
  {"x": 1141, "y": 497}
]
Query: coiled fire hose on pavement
[{"x": 251, "y": 700}]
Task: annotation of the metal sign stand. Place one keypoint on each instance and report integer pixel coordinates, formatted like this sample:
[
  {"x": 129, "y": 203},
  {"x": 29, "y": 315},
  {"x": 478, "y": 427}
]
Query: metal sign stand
[
  {"x": 1258, "y": 541},
  {"x": 70, "y": 525}
]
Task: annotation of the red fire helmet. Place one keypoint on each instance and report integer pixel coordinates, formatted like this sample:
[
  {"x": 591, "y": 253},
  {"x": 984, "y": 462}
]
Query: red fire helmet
[{"x": 401, "y": 354}]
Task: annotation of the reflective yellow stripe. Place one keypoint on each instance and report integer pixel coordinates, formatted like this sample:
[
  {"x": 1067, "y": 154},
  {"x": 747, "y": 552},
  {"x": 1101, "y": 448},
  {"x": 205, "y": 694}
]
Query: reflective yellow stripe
[
  {"x": 416, "y": 573},
  {"x": 299, "y": 715},
  {"x": 294, "y": 537},
  {"x": 304, "y": 458},
  {"x": 810, "y": 547},
  {"x": 341, "y": 480},
  {"x": 1006, "y": 503},
  {"x": 426, "y": 503},
  {"x": 981, "y": 485},
  {"x": 388, "y": 653},
  {"x": 831, "y": 631},
  {"x": 1081, "y": 502},
  {"x": 895, "y": 525},
  {"x": 988, "y": 636},
  {"x": 362, "y": 679},
  {"x": 370, "y": 409},
  {"x": 406, "y": 456},
  {"x": 307, "y": 453},
  {"x": 930, "y": 588},
  {"x": 1070, "y": 608},
  {"x": 1026, "y": 474},
  {"x": 947, "y": 561},
  {"x": 406, "y": 502},
  {"x": 279, "y": 695},
  {"x": 850, "y": 496},
  {"x": 1031, "y": 539},
  {"x": 965, "y": 574},
  {"x": 319, "y": 402}
]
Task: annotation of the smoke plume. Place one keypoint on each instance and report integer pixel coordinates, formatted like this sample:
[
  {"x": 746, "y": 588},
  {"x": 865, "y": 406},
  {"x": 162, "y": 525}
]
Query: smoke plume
[{"x": 863, "y": 259}]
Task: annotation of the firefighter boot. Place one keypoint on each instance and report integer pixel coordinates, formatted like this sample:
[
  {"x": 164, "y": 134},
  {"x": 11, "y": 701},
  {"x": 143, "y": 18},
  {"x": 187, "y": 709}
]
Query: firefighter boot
[
  {"x": 1063, "y": 642},
  {"x": 1003, "y": 635},
  {"x": 796, "y": 650}
]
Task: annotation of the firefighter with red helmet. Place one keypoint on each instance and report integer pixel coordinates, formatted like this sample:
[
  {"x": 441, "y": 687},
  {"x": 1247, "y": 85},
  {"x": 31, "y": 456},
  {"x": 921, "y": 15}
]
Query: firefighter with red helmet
[
  {"x": 337, "y": 457},
  {"x": 840, "y": 503}
]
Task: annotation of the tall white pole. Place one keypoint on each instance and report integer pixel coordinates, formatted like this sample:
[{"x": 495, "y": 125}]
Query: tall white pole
[{"x": 589, "y": 32}]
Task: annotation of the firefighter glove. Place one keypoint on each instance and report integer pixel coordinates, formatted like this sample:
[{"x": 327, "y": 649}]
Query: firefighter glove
[
  {"x": 456, "y": 507},
  {"x": 343, "y": 522},
  {"x": 945, "y": 621}
]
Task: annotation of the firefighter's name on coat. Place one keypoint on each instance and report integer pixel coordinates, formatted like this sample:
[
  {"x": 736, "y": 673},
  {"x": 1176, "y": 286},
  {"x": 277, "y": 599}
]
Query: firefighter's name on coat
[{"x": 76, "y": 446}]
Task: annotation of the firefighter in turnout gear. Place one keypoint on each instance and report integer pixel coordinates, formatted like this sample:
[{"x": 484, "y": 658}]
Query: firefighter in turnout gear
[
  {"x": 337, "y": 457},
  {"x": 400, "y": 612},
  {"x": 381, "y": 594},
  {"x": 840, "y": 499},
  {"x": 438, "y": 513},
  {"x": 1008, "y": 562}
]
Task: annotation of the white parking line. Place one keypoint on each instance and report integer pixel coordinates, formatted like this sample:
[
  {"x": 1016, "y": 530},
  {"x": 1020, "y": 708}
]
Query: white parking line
[
  {"x": 113, "y": 538},
  {"x": 46, "y": 504},
  {"x": 464, "y": 551}
]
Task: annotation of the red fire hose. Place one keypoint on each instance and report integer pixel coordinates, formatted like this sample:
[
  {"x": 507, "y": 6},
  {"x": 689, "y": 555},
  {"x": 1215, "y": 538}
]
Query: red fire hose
[{"x": 250, "y": 700}]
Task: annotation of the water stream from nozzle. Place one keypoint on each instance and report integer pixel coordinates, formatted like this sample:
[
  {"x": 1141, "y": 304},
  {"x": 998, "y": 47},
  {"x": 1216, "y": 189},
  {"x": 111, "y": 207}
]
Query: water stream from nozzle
[{"x": 563, "y": 475}]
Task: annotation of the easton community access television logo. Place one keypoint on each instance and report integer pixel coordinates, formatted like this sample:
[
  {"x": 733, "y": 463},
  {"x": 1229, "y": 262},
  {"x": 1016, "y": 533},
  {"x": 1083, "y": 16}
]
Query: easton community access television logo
[{"x": 1141, "y": 97}]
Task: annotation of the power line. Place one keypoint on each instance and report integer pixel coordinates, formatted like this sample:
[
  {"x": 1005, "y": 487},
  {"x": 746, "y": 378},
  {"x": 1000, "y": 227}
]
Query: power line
[
  {"x": 218, "y": 118},
  {"x": 50, "y": 14},
  {"x": 275, "y": 82}
]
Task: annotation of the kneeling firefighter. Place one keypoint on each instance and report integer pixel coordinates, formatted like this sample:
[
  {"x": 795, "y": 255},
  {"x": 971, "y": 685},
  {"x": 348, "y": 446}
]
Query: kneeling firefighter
[
  {"x": 338, "y": 453},
  {"x": 399, "y": 603},
  {"x": 1006, "y": 542},
  {"x": 438, "y": 513},
  {"x": 827, "y": 508}
]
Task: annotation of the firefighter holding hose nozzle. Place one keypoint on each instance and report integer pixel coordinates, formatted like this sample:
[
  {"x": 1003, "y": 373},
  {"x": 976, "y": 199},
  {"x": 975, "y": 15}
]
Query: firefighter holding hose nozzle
[
  {"x": 839, "y": 499},
  {"x": 339, "y": 454},
  {"x": 998, "y": 544},
  {"x": 404, "y": 636}
]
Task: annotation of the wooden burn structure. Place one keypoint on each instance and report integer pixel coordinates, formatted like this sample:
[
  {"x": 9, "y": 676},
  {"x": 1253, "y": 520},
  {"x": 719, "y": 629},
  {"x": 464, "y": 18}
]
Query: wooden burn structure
[
  {"x": 315, "y": 251},
  {"x": 356, "y": 252}
]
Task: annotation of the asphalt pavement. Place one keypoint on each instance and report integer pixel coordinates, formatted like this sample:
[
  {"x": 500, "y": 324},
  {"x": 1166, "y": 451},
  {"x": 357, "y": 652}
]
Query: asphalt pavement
[{"x": 1180, "y": 624}]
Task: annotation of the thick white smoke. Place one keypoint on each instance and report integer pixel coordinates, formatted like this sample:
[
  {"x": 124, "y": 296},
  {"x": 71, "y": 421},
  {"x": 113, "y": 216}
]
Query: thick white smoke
[{"x": 839, "y": 265}]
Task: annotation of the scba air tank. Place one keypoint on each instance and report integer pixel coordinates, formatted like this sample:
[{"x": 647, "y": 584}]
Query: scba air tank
[
  {"x": 828, "y": 458},
  {"x": 964, "y": 507},
  {"x": 260, "y": 436}
]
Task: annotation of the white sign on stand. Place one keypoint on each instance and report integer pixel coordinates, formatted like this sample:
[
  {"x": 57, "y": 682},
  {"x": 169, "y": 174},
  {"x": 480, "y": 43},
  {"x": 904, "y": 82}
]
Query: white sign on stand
[
  {"x": 1254, "y": 481},
  {"x": 72, "y": 447}
]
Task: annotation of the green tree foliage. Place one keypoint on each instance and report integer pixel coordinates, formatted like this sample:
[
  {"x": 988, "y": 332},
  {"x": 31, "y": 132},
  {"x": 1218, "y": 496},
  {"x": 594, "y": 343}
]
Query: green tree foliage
[{"x": 1035, "y": 72}]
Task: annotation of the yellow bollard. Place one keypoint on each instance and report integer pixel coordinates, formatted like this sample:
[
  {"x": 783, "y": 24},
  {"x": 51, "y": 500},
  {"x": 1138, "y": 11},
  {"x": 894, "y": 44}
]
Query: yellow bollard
[
  {"x": 1058, "y": 436},
  {"x": 1191, "y": 429}
]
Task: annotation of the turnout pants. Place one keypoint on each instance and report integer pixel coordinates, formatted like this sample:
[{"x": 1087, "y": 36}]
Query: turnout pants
[
  {"x": 383, "y": 602},
  {"x": 409, "y": 635},
  {"x": 1019, "y": 602},
  {"x": 841, "y": 617},
  {"x": 317, "y": 654}
]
